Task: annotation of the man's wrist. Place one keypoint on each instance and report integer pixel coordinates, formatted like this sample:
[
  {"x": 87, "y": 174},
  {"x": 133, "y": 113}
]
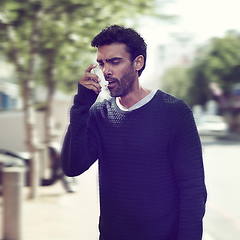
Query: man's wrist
[{"x": 85, "y": 96}]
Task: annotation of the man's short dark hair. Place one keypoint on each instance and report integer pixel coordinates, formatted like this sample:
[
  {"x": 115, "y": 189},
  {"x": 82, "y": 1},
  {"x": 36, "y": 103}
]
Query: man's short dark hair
[{"x": 118, "y": 34}]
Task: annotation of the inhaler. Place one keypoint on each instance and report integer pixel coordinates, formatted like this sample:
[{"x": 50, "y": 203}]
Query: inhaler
[{"x": 99, "y": 73}]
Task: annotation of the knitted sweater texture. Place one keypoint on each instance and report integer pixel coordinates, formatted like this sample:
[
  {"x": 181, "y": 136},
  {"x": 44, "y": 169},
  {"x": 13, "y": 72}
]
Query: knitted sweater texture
[{"x": 151, "y": 175}]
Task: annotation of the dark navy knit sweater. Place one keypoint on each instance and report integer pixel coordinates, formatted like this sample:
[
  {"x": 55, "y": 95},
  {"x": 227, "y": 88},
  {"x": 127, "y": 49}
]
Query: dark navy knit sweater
[{"x": 151, "y": 174}]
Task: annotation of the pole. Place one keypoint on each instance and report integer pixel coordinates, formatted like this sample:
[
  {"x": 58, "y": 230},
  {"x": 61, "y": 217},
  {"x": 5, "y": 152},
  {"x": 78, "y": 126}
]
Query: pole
[{"x": 13, "y": 180}]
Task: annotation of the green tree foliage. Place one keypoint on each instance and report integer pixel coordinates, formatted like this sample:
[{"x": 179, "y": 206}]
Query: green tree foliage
[
  {"x": 223, "y": 61},
  {"x": 65, "y": 30},
  {"x": 176, "y": 81},
  {"x": 198, "y": 92},
  {"x": 217, "y": 62}
]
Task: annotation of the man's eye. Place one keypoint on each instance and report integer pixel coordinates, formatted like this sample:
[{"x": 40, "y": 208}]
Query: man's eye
[{"x": 115, "y": 63}]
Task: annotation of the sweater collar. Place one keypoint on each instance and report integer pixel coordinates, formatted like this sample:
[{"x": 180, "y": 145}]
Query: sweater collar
[{"x": 139, "y": 104}]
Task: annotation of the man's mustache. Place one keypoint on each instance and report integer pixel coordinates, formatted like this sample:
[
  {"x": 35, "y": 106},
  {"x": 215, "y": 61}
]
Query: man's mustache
[{"x": 111, "y": 79}]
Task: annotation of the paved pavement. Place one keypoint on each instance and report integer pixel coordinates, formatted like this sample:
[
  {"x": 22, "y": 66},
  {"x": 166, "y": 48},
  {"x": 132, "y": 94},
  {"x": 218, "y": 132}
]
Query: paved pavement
[{"x": 58, "y": 215}]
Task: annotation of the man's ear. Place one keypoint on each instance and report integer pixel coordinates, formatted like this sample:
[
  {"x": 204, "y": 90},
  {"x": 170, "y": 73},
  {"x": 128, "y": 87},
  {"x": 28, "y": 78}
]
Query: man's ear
[{"x": 139, "y": 62}]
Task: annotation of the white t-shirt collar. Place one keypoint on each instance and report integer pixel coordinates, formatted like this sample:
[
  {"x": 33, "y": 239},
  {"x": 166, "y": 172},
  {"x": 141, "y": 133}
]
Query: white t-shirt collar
[{"x": 139, "y": 103}]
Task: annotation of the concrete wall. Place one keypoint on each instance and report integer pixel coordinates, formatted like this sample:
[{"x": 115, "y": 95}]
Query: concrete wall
[{"x": 12, "y": 136}]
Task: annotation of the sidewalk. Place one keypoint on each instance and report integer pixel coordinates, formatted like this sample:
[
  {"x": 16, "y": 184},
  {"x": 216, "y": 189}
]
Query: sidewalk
[{"x": 58, "y": 215}]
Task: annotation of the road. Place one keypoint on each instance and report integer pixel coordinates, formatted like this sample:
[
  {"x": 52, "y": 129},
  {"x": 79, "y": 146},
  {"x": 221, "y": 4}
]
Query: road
[{"x": 222, "y": 171}]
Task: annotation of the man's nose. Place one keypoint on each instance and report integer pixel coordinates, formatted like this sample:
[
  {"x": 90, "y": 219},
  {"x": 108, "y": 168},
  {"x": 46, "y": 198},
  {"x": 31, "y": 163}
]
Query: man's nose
[{"x": 107, "y": 71}]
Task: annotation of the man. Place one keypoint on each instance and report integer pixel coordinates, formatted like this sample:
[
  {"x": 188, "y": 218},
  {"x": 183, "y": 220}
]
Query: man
[{"x": 151, "y": 176}]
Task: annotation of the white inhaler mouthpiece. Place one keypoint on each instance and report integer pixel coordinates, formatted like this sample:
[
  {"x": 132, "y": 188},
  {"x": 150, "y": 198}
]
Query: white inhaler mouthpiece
[{"x": 99, "y": 73}]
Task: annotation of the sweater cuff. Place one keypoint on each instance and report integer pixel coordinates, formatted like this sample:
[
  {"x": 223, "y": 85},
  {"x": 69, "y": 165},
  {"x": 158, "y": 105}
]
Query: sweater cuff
[{"x": 85, "y": 96}]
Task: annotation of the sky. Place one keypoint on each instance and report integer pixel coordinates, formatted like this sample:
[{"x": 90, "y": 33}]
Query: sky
[
  {"x": 206, "y": 18},
  {"x": 200, "y": 20}
]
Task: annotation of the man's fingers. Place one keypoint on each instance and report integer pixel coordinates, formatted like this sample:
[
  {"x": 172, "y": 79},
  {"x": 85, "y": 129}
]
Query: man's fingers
[
  {"x": 91, "y": 80},
  {"x": 92, "y": 76},
  {"x": 89, "y": 69}
]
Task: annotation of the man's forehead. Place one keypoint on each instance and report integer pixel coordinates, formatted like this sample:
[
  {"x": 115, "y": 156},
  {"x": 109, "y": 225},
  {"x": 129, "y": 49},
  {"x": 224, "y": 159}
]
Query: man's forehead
[{"x": 115, "y": 50}]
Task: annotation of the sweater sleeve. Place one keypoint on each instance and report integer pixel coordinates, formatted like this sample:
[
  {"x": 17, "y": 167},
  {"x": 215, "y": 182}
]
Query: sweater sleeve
[
  {"x": 186, "y": 153},
  {"x": 79, "y": 150}
]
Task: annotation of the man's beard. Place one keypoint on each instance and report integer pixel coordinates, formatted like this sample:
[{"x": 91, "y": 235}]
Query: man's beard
[{"x": 124, "y": 85}]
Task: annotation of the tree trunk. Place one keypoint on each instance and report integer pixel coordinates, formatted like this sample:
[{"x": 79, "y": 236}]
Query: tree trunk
[
  {"x": 32, "y": 141},
  {"x": 25, "y": 74},
  {"x": 50, "y": 83},
  {"x": 31, "y": 138}
]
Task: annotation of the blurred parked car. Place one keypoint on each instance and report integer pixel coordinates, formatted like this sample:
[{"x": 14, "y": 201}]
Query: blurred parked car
[
  {"x": 21, "y": 159},
  {"x": 213, "y": 125}
]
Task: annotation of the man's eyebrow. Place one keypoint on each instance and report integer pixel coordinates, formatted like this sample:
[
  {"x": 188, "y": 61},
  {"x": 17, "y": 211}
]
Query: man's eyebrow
[
  {"x": 110, "y": 59},
  {"x": 113, "y": 59}
]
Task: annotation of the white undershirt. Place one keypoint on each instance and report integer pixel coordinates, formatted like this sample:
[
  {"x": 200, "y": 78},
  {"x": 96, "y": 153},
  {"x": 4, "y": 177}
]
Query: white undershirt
[{"x": 138, "y": 104}]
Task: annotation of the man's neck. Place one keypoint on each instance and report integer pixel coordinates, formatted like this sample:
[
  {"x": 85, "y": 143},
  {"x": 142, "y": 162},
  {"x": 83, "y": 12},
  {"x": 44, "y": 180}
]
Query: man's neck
[{"x": 133, "y": 97}]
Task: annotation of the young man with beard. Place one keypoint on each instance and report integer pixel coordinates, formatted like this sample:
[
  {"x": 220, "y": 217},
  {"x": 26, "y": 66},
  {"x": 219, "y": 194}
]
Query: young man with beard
[{"x": 151, "y": 175}]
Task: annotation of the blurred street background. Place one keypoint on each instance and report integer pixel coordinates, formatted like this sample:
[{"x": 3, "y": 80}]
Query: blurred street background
[
  {"x": 221, "y": 163},
  {"x": 193, "y": 54},
  {"x": 59, "y": 215}
]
